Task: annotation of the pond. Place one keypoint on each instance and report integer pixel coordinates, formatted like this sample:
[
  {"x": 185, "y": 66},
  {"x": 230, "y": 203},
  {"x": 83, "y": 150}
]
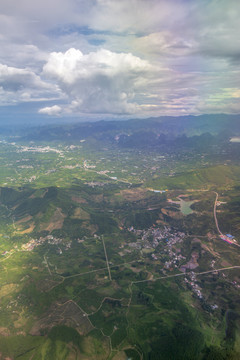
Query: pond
[{"x": 185, "y": 206}]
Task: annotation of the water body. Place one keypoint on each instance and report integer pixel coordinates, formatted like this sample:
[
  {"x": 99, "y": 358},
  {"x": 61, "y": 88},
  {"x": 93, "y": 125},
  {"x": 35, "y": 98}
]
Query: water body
[{"x": 185, "y": 206}]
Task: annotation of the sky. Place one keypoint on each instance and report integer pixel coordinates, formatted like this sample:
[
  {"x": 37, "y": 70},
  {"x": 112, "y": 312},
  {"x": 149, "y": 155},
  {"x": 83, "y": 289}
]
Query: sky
[{"x": 101, "y": 59}]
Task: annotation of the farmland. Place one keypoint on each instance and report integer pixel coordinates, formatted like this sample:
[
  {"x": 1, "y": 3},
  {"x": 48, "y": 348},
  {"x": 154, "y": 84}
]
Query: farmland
[{"x": 98, "y": 259}]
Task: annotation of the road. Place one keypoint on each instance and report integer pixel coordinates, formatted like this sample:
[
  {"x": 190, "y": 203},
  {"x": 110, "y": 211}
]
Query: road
[
  {"x": 215, "y": 214},
  {"x": 106, "y": 175},
  {"x": 184, "y": 274},
  {"x": 105, "y": 251},
  {"x": 223, "y": 237}
]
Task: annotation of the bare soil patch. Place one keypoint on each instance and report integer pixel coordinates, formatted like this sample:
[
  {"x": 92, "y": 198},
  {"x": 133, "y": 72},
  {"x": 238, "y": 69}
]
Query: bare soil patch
[
  {"x": 80, "y": 214},
  {"x": 172, "y": 214},
  {"x": 24, "y": 220},
  {"x": 120, "y": 356},
  {"x": 29, "y": 229},
  {"x": 7, "y": 289},
  {"x": 55, "y": 222},
  {"x": 133, "y": 194},
  {"x": 4, "y": 331},
  {"x": 79, "y": 200}
]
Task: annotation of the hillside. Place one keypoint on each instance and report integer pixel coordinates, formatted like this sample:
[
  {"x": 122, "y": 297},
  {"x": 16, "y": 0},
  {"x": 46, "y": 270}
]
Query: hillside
[{"x": 206, "y": 178}]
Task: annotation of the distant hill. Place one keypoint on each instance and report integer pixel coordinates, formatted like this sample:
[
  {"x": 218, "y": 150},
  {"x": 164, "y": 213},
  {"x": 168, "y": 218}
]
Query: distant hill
[{"x": 225, "y": 125}]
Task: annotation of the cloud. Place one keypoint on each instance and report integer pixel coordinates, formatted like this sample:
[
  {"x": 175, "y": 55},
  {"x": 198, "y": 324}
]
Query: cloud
[
  {"x": 159, "y": 56},
  {"x": 50, "y": 110},
  {"x": 225, "y": 100},
  {"x": 43, "y": 12},
  {"x": 14, "y": 79},
  {"x": 164, "y": 44},
  {"x": 137, "y": 16},
  {"x": 18, "y": 85},
  {"x": 218, "y": 28},
  {"x": 99, "y": 82},
  {"x": 230, "y": 107}
]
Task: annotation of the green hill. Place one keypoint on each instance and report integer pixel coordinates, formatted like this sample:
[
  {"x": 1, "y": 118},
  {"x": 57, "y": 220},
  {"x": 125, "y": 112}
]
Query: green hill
[{"x": 210, "y": 177}]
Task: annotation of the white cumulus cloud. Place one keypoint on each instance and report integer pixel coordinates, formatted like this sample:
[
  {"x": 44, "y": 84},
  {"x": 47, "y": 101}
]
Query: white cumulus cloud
[
  {"x": 50, "y": 110},
  {"x": 101, "y": 81},
  {"x": 137, "y": 56}
]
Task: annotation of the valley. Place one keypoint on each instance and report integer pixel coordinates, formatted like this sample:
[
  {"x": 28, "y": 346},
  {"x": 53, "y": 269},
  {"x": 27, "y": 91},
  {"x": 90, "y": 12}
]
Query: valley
[{"x": 112, "y": 248}]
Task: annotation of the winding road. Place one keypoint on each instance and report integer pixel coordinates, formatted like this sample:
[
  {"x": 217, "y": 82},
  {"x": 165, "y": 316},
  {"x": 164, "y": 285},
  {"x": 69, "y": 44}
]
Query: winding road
[
  {"x": 215, "y": 214},
  {"x": 223, "y": 237}
]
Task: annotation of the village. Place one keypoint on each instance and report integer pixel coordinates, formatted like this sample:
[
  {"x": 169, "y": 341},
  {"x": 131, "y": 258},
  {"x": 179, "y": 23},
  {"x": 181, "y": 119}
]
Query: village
[
  {"x": 50, "y": 239},
  {"x": 153, "y": 239},
  {"x": 150, "y": 239}
]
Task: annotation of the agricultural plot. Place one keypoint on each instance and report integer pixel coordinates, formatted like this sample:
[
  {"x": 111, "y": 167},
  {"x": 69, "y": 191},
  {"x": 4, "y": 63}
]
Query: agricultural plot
[{"x": 100, "y": 260}]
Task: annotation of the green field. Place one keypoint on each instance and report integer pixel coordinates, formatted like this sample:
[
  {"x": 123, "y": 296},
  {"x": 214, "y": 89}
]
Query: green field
[{"x": 96, "y": 265}]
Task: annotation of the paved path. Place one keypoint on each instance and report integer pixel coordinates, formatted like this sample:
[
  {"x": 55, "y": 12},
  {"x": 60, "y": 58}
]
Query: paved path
[
  {"x": 105, "y": 251},
  {"x": 184, "y": 274},
  {"x": 215, "y": 214},
  {"x": 223, "y": 237}
]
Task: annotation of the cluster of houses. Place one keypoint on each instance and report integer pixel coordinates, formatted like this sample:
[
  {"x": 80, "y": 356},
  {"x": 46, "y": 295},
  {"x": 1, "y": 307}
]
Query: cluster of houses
[
  {"x": 50, "y": 239},
  {"x": 191, "y": 282},
  {"x": 153, "y": 237}
]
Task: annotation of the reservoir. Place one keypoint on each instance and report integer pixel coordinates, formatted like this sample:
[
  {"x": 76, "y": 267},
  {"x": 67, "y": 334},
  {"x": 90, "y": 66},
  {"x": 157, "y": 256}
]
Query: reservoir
[{"x": 185, "y": 206}]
